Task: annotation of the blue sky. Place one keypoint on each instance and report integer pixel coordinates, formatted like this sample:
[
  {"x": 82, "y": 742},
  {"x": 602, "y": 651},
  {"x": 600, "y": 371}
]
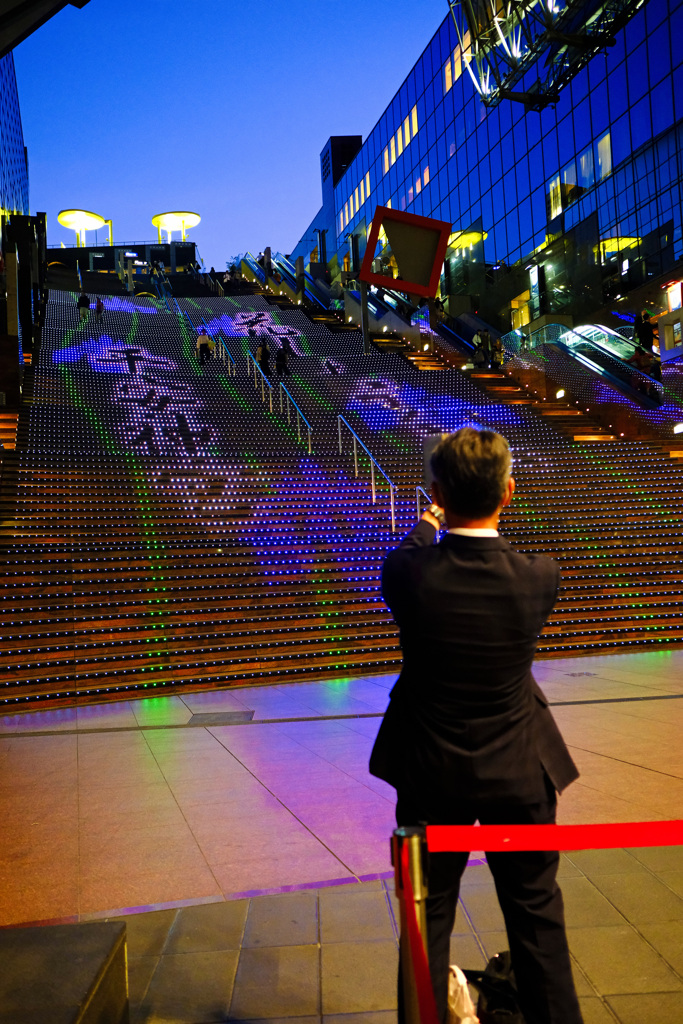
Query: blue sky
[{"x": 134, "y": 107}]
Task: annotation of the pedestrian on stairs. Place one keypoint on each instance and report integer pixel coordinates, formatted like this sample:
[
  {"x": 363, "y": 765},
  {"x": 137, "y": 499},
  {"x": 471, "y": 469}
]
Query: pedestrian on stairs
[
  {"x": 263, "y": 356},
  {"x": 99, "y": 310},
  {"x": 281, "y": 358},
  {"x": 497, "y": 355},
  {"x": 203, "y": 347},
  {"x": 83, "y": 305}
]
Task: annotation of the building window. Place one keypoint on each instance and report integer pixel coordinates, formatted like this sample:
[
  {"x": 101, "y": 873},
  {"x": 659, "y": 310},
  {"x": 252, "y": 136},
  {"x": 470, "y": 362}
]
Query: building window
[
  {"x": 346, "y": 213},
  {"x": 447, "y": 76},
  {"x": 367, "y": 184},
  {"x": 418, "y": 186},
  {"x": 386, "y": 159},
  {"x": 355, "y": 197},
  {"x": 399, "y": 140},
  {"x": 413, "y": 118},
  {"x": 403, "y": 202},
  {"x": 425, "y": 175},
  {"x": 392, "y": 146},
  {"x": 341, "y": 222},
  {"x": 554, "y": 198},
  {"x": 411, "y": 194},
  {"x": 457, "y": 63},
  {"x": 585, "y": 168},
  {"x": 603, "y": 156},
  {"x": 362, "y": 191},
  {"x": 388, "y": 204}
]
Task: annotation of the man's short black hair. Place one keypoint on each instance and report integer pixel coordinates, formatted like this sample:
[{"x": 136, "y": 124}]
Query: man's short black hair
[{"x": 472, "y": 468}]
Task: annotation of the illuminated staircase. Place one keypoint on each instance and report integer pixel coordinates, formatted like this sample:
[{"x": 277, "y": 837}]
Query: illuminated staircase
[{"x": 161, "y": 528}]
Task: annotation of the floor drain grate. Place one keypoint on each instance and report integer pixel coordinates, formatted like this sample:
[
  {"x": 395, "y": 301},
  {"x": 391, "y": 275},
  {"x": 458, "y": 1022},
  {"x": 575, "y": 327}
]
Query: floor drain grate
[{"x": 221, "y": 718}]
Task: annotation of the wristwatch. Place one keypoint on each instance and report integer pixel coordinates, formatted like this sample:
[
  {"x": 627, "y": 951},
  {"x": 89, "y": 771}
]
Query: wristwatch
[{"x": 437, "y": 512}]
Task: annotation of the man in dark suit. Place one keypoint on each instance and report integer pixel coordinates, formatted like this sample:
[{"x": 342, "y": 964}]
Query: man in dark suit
[{"x": 468, "y": 734}]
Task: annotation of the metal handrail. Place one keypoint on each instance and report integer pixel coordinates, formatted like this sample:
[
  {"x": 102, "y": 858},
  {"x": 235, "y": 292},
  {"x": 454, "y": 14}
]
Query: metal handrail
[
  {"x": 265, "y": 383},
  {"x": 373, "y": 464},
  {"x": 418, "y": 492},
  {"x": 300, "y": 418}
]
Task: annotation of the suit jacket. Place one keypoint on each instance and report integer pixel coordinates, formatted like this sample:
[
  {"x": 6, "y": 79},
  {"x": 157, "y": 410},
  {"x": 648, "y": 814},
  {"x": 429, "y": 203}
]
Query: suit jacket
[{"x": 466, "y": 718}]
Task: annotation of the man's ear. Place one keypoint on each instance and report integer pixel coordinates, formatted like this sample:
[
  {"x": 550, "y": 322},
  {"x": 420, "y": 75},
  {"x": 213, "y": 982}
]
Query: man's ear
[{"x": 508, "y": 492}]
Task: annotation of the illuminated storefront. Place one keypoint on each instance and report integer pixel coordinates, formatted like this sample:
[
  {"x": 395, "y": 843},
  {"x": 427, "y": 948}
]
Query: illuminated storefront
[{"x": 570, "y": 207}]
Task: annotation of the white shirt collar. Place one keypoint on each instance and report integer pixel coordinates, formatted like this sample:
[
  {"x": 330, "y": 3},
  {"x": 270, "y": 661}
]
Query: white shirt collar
[{"x": 464, "y": 531}]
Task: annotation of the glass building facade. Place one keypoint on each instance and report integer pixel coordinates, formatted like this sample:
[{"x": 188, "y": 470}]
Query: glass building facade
[
  {"x": 13, "y": 161},
  {"x": 557, "y": 212}
]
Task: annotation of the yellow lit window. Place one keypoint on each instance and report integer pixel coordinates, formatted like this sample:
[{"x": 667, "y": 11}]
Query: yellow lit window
[
  {"x": 389, "y": 203},
  {"x": 386, "y": 159},
  {"x": 447, "y": 76},
  {"x": 406, "y": 130},
  {"x": 355, "y": 196},
  {"x": 413, "y": 118},
  {"x": 362, "y": 191},
  {"x": 392, "y": 146},
  {"x": 410, "y": 195},
  {"x": 399, "y": 140},
  {"x": 604, "y": 156},
  {"x": 346, "y": 213},
  {"x": 418, "y": 186},
  {"x": 367, "y": 184},
  {"x": 555, "y": 197},
  {"x": 457, "y": 64},
  {"x": 425, "y": 175},
  {"x": 341, "y": 222}
]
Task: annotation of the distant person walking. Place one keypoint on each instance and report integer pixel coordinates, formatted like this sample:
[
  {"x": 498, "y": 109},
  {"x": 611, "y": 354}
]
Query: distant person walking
[
  {"x": 263, "y": 357},
  {"x": 99, "y": 310},
  {"x": 281, "y": 362},
  {"x": 645, "y": 332},
  {"x": 497, "y": 355},
  {"x": 203, "y": 346},
  {"x": 83, "y": 304}
]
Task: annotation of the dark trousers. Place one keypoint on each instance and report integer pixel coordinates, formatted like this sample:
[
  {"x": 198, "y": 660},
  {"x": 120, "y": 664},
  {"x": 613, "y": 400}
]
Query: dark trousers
[
  {"x": 529, "y": 898},
  {"x": 204, "y": 354}
]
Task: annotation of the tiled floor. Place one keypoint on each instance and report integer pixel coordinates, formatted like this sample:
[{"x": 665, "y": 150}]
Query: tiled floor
[{"x": 259, "y": 850}]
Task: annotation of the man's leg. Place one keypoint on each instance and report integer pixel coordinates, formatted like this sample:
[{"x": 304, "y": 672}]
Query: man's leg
[{"x": 533, "y": 909}]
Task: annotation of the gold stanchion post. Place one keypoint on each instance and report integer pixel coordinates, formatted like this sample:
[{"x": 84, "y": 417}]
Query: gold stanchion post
[{"x": 415, "y": 840}]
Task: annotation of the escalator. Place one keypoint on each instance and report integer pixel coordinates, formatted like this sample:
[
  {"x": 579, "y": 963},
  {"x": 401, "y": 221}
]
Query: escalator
[
  {"x": 600, "y": 350},
  {"x": 315, "y": 292}
]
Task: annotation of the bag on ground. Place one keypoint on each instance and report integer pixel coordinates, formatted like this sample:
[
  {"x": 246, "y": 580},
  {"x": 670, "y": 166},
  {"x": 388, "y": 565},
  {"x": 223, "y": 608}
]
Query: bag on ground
[{"x": 460, "y": 1005}]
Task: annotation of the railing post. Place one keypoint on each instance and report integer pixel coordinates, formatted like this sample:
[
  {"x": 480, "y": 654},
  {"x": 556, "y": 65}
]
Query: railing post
[
  {"x": 393, "y": 509},
  {"x": 288, "y": 410},
  {"x": 270, "y": 395},
  {"x": 309, "y": 440},
  {"x": 339, "y": 430},
  {"x": 417, "y": 501},
  {"x": 280, "y": 390},
  {"x": 263, "y": 388},
  {"x": 414, "y": 839},
  {"x": 372, "y": 482},
  {"x": 355, "y": 455},
  {"x": 298, "y": 425}
]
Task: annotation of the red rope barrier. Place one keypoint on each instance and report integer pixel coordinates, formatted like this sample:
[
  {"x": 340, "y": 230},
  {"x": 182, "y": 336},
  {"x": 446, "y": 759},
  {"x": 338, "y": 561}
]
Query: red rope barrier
[
  {"x": 502, "y": 838},
  {"x": 423, "y": 979}
]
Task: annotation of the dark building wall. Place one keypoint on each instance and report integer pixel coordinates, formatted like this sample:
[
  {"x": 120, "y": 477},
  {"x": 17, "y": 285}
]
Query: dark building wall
[{"x": 13, "y": 164}]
